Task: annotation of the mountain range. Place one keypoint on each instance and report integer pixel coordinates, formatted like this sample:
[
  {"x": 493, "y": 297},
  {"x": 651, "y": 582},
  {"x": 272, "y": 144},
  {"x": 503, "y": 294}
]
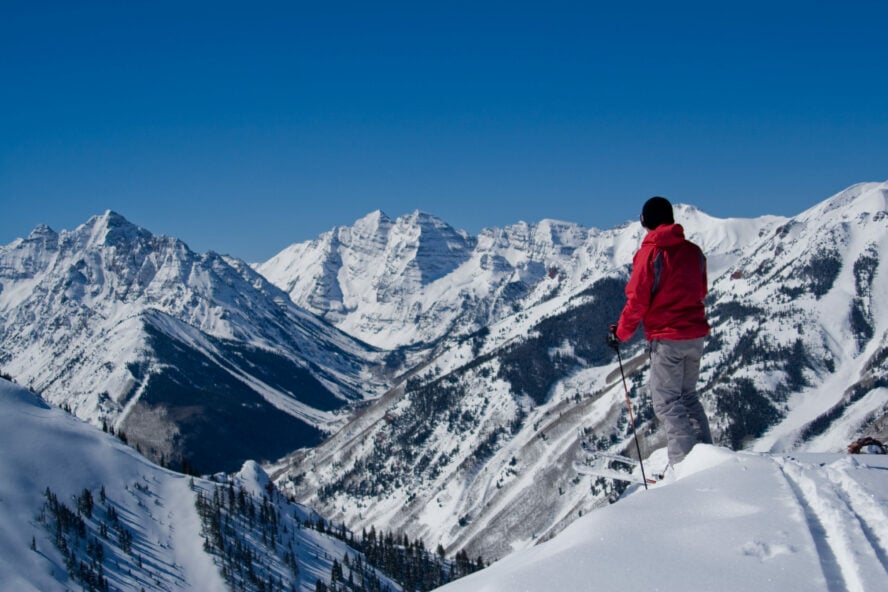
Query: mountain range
[
  {"x": 194, "y": 358},
  {"x": 413, "y": 281},
  {"x": 474, "y": 446},
  {"x": 406, "y": 375}
]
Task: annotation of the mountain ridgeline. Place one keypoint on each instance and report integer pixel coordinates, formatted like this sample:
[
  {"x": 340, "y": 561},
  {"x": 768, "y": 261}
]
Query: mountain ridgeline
[{"x": 404, "y": 375}]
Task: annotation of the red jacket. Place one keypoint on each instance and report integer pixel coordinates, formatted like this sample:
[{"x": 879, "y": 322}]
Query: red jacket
[{"x": 667, "y": 288}]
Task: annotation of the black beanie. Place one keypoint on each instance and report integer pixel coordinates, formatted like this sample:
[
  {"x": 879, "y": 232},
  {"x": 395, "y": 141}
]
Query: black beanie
[{"x": 656, "y": 211}]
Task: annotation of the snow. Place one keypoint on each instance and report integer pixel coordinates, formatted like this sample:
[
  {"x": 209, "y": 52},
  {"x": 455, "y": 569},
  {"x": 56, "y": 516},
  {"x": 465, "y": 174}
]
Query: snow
[
  {"x": 491, "y": 510},
  {"x": 45, "y": 447},
  {"x": 728, "y": 521}
]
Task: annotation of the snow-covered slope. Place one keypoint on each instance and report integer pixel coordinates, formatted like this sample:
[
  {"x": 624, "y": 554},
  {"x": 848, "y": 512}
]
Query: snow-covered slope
[
  {"x": 137, "y": 332},
  {"x": 803, "y": 319},
  {"x": 77, "y": 504},
  {"x": 731, "y": 522}
]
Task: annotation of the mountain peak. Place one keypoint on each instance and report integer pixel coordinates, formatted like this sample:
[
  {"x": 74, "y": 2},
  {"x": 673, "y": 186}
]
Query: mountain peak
[
  {"x": 378, "y": 218},
  {"x": 375, "y": 217},
  {"x": 42, "y": 231},
  {"x": 374, "y": 223},
  {"x": 108, "y": 219},
  {"x": 429, "y": 223},
  {"x": 114, "y": 218},
  {"x": 421, "y": 217},
  {"x": 45, "y": 235},
  {"x": 112, "y": 229}
]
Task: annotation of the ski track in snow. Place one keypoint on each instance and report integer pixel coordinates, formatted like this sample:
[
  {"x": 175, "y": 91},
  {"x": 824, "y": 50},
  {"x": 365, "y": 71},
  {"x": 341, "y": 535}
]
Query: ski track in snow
[{"x": 841, "y": 515}]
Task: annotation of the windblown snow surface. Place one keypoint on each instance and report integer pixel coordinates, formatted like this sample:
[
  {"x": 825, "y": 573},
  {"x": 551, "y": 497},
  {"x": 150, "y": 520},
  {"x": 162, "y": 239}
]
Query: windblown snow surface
[{"x": 727, "y": 521}]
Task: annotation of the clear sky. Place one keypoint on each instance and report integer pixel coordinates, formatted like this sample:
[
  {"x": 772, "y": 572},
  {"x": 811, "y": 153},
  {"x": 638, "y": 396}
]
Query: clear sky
[{"x": 242, "y": 127}]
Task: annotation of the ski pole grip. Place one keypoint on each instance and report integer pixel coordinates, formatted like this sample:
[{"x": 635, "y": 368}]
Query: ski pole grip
[{"x": 612, "y": 340}]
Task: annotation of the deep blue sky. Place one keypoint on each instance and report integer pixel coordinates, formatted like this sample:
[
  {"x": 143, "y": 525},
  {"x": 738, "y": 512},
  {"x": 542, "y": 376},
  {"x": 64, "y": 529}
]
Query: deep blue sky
[{"x": 244, "y": 127}]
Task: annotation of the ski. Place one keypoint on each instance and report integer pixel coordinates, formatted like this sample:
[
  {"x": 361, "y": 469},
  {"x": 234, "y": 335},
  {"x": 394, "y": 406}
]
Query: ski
[
  {"x": 626, "y": 460},
  {"x": 607, "y": 473},
  {"x": 598, "y": 464}
]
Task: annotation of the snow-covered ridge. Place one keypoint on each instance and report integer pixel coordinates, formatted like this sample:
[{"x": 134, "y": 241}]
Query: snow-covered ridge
[{"x": 728, "y": 521}]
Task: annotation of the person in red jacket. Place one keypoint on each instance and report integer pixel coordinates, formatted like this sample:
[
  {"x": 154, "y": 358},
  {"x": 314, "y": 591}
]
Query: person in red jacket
[{"x": 666, "y": 293}]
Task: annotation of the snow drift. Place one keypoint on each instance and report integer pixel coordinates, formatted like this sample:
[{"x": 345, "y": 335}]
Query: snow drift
[{"x": 730, "y": 521}]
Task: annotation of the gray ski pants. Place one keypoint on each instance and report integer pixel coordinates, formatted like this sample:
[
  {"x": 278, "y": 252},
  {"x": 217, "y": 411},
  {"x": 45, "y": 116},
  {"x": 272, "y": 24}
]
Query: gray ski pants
[{"x": 675, "y": 368}]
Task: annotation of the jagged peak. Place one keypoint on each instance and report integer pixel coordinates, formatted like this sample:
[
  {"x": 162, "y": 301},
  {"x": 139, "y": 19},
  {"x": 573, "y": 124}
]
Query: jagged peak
[
  {"x": 112, "y": 218},
  {"x": 430, "y": 224},
  {"x": 376, "y": 222},
  {"x": 111, "y": 229},
  {"x": 46, "y": 236},
  {"x": 422, "y": 218},
  {"x": 107, "y": 220},
  {"x": 375, "y": 217},
  {"x": 42, "y": 231},
  {"x": 556, "y": 223},
  {"x": 554, "y": 227}
]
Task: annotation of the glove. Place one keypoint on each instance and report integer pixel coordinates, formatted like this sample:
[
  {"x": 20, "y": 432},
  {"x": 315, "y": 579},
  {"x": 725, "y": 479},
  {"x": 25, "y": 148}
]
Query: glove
[{"x": 612, "y": 340}]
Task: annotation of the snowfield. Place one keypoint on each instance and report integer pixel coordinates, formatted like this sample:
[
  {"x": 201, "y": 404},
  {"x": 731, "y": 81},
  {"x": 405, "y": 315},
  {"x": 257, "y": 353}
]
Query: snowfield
[
  {"x": 729, "y": 521},
  {"x": 44, "y": 448}
]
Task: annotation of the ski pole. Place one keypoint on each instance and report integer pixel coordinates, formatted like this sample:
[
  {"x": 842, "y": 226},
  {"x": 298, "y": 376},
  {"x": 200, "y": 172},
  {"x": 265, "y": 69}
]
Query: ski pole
[{"x": 631, "y": 416}]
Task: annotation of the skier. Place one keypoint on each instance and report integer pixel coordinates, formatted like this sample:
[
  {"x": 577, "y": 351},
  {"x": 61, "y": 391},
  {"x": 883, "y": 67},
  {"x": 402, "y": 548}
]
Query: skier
[{"x": 666, "y": 292}]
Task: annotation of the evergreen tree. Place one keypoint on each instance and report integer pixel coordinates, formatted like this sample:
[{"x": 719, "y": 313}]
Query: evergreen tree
[{"x": 85, "y": 503}]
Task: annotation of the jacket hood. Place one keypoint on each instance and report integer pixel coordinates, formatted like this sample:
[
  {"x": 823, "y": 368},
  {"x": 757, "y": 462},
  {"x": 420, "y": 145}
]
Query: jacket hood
[{"x": 665, "y": 235}]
